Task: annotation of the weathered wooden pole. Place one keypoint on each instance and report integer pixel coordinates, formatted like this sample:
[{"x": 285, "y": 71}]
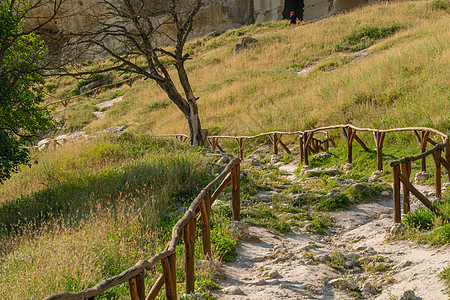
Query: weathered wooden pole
[
  {"x": 169, "y": 271},
  {"x": 156, "y": 288},
  {"x": 236, "y": 192},
  {"x": 406, "y": 172},
  {"x": 275, "y": 144},
  {"x": 379, "y": 139},
  {"x": 396, "y": 193},
  {"x": 205, "y": 213},
  {"x": 302, "y": 150},
  {"x": 305, "y": 148},
  {"x": 189, "y": 253},
  {"x": 437, "y": 172},
  {"x": 423, "y": 148},
  {"x": 350, "y": 136}
]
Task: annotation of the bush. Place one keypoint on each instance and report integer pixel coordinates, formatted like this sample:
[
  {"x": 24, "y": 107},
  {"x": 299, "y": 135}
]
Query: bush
[
  {"x": 340, "y": 202},
  {"x": 438, "y": 4},
  {"x": 421, "y": 218}
]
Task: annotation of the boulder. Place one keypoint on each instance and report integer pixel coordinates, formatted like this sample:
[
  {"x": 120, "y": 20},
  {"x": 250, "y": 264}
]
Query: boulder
[{"x": 245, "y": 43}]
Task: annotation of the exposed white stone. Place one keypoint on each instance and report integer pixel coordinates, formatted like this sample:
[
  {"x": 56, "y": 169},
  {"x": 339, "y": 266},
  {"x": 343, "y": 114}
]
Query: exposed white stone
[{"x": 232, "y": 290}]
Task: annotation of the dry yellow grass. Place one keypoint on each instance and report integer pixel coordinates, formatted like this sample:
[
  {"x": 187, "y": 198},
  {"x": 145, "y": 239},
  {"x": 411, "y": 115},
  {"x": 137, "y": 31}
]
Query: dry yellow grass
[{"x": 259, "y": 89}]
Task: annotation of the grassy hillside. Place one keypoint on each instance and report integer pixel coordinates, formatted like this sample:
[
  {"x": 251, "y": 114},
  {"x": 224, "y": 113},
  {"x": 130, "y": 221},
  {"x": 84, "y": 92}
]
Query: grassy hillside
[
  {"x": 87, "y": 211},
  {"x": 401, "y": 80}
]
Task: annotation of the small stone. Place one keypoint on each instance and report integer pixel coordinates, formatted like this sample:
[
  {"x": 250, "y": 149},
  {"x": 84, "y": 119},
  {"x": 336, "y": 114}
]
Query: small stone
[
  {"x": 273, "y": 274},
  {"x": 395, "y": 228},
  {"x": 402, "y": 265},
  {"x": 377, "y": 173},
  {"x": 369, "y": 251},
  {"x": 232, "y": 290},
  {"x": 368, "y": 288},
  {"x": 323, "y": 258},
  {"x": 374, "y": 179},
  {"x": 257, "y": 259},
  {"x": 348, "y": 166},
  {"x": 421, "y": 176},
  {"x": 385, "y": 194},
  {"x": 320, "y": 156},
  {"x": 239, "y": 226},
  {"x": 343, "y": 284},
  {"x": 408, "y": 295}
]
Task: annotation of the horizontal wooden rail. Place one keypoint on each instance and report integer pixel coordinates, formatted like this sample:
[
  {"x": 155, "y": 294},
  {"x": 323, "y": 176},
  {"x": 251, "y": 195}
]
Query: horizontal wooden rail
[
  {"x": 184, "y": 227},
  {"x": 310, "y": 144},
  {"x": 96, "y": 90}
]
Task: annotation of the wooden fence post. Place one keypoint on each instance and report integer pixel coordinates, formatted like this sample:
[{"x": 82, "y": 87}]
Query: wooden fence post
[
  {"x": 437, "y": 172},
  {"x": 447, "y": 154},
  {"x": 189, "y": 252},
  {"x": 396, "y": 193},
  {"x": 302, "y": 150},
  {"x": 406, "y": 172},
  {"x": 350, "y": 136},
  {"x": 170, "y": 276},
  {"x": 305, "y": 148},
  {"x": 379, "y": 139},
  {"x": 423, "y": 148},
  {"x": 205, "y": 213},
  {"x": 275, "y": 144},
  {"x": 236, "y": 192}
]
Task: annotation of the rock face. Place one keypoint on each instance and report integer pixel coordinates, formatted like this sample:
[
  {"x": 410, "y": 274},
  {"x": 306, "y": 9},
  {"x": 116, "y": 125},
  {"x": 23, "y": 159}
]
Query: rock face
[{"x": 216, "y": 15}]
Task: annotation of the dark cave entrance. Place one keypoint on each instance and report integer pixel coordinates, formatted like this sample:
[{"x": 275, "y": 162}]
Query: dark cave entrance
[{"x": 293, "y": 5}]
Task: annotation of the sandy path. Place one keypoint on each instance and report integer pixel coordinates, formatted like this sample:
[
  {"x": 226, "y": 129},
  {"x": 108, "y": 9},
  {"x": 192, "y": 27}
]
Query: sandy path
[{"x": 269, "y": 266}]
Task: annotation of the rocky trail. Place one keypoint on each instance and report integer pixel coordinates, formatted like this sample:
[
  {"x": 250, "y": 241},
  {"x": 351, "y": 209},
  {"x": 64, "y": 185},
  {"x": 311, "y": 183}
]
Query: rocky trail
[{"x": 354, "y": 260}]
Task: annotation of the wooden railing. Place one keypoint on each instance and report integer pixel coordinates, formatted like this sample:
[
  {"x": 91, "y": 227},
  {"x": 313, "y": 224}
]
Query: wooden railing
[
  {"x": 95, "y": 91},
  {"x": 401, "y": 169},
  {"x": 186, "y": 228}
]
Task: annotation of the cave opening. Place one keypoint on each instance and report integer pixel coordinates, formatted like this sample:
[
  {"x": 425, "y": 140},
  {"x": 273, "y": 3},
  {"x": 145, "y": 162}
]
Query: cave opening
[{"x": 293, "y": 5}]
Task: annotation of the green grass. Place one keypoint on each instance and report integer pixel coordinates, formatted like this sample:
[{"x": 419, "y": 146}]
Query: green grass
[
  {"x": 424, "y": 226},
  {"x": 98, "y": 208},
  {"x": 366, "y": 36}
]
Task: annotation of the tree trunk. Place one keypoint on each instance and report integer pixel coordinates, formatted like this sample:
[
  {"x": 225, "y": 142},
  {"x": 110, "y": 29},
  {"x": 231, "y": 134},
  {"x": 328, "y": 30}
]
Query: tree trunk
[
  {"x": 197, "y": 135},
  {"x": 190, "y": 110}
]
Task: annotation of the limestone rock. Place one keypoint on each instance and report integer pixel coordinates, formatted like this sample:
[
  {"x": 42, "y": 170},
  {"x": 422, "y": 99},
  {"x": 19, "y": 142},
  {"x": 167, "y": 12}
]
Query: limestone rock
[
  {"x": 368, "y": 288},
  {"x": 245, "y": 43},
  {"x": 421, "y": 176},
  {"x": 232, "y": 290},
  {"x": 94, "y": 84},
  {"x": 343, "y": 284},
  {"x": 239, "y": 226},
  {"x": 348, "y": 166},
  {"x": 408, "y": 295},
  {"x": 385, "y": 194},
  {"x": 320, "y": 156},
  {"x": 374, "y": 179},
  {"x": 274, "y": 159}
]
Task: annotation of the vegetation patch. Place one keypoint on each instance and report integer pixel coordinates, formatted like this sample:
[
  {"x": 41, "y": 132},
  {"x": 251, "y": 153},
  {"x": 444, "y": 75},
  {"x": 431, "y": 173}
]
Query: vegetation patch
[
  {"x": 424, "y": 226},
  {"x": 366, "y": 36},
  {"x": 337, "y": 203}
]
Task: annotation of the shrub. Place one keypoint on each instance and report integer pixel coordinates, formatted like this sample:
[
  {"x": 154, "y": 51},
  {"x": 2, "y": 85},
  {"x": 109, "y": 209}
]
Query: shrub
[
  {"x": 421, "y": 218},
  {"x": 438, "y": 4},
  {"x": 340, "y": 202}
]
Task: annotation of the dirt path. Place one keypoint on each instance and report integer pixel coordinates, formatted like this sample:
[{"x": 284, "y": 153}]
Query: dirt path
[{"x": 296, "y": 266}]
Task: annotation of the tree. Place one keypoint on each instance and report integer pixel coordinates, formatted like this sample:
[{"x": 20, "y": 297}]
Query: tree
[
  {"x": 22, "y": 57},
  {"x": 127, "y": 29}
]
